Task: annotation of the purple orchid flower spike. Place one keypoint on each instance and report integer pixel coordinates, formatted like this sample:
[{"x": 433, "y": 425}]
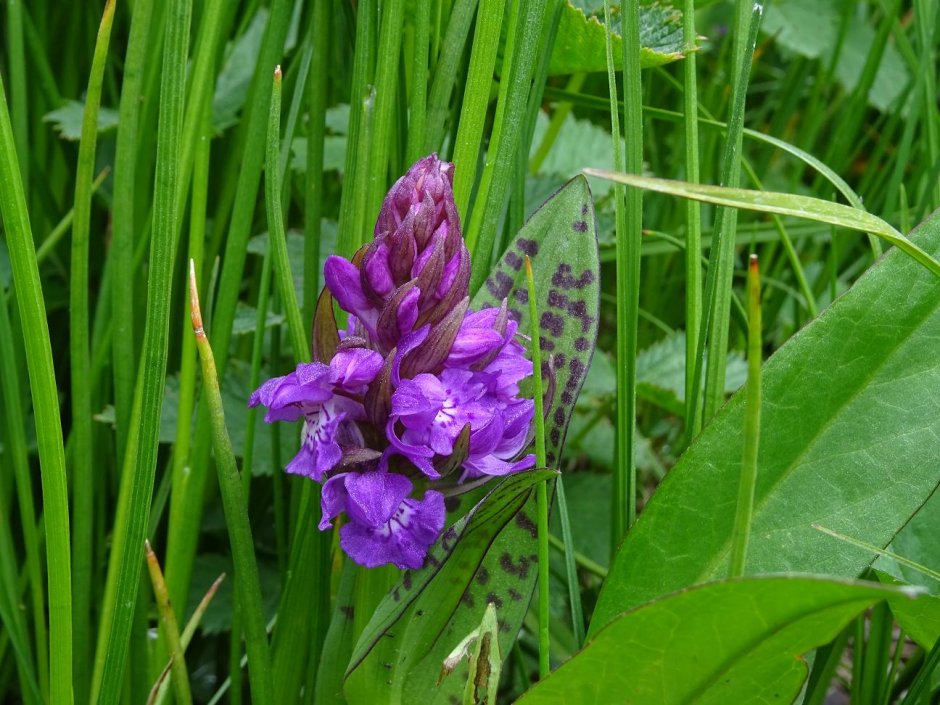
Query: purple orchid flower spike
[
  {"x": 417, "y": 269},
  {"x": 415, "y": 387}
]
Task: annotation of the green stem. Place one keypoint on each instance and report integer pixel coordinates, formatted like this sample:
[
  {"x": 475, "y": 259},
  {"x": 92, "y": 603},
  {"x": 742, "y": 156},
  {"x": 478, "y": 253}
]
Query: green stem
[
  {"x": 721, "y": 263},
  {"x": 745, "y": 506},
  {"x": 170, "y": 630},
  {"x": 693, "y": 220},
  {"x": 278, "y": 240},
  {"x": 248, "y": 587},
  {"x": 540, "y": 462}
]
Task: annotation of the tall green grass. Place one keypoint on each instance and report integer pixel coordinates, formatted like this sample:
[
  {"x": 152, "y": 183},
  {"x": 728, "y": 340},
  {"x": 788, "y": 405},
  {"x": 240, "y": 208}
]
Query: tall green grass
[{"x": 100, "y": 221}]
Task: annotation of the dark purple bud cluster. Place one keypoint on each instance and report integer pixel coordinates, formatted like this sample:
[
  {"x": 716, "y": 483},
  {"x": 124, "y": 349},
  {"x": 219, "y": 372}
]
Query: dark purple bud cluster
[{"x": 418, "y": 395}]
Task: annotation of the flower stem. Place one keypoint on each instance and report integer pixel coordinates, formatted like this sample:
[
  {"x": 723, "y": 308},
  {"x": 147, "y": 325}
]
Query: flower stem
[
  {"x": 542, "y": 496},
  {"x": 170, "y": 629},
  {"x": 745, "y": 508}
]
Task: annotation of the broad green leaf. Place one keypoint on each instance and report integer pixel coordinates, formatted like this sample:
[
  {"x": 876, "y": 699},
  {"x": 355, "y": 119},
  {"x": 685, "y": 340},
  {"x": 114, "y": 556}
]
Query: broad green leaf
[
  {"x": 850, "y": 428},
  {"x": 399, "y": 655},
  {"x": 580, "y": 42},
  {"x": 67, "y": 120},
  {"x": 920, "y": 619},
  {"x": 560, "y": 239},
  {"x": 736, "y": 641},
  {"x": 779, "y": 203}
]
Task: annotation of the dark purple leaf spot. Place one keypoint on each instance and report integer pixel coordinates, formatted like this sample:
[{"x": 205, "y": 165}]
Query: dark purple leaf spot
[
  {"x": 527, "y": 247},
  {"x": 513, "y": 260},
  {"x": 584, "y": 208},
  {"x": 546, "y": 367},
  {"x": 499, "y": 285},
  {"x": 522, "y": 295},
  {"x": 560, "y": 416},
  {"x": 562, "y": 278},
  {"x": 560, "y": 361},
  {"x": 521, "y": 570},
  {"x": 504, "y": 625},
  {"x": 433, "y": 560},
  {"x": 556, "y": 299},
  {"x": 580, "y": 226},
  {"x": 553, "y": 323},
  {"x": 572, "y": 383},
  {"x": 566, "y": 397},
  {"x": 523, "y": 521},
  {"x": 396, "y": 594},
  {"x": 555, "y": 436},
  {"x": 420, "y": 613},
  {"x": 467, "y": 599},
  {"x": 581, "y": 344},
  {"x": 483, "y": 575},
  {"x": 448, "y": 538},
  {"x": 578, "y": 309},
  {"x": 516, "y": 314},
  {"x": 545, "y": 343},
  {"x": 406, "y": 580},
  {"x": 495, "y": 599},
  {"x": 576, "y": 367},
  {"x": 514, "y": 595}
]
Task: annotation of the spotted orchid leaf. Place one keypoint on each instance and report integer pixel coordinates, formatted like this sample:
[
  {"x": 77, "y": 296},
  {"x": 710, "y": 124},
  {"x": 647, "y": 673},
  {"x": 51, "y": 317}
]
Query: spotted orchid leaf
[{"x": 405, "y": 643}]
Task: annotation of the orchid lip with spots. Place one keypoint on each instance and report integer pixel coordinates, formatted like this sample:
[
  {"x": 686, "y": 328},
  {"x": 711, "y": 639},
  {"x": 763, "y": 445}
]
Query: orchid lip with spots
[{"x": 419, "y": 396}]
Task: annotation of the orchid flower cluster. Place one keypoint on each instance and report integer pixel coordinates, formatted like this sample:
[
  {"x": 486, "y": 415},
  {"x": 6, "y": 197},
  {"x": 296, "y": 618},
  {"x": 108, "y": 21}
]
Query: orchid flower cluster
[{"x": 418, "y": 394}]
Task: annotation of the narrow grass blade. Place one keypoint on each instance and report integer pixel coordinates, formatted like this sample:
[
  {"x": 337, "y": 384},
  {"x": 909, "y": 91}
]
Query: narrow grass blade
[
  {"x": 351, "y": 209},
  {"x": 501, "y": 157},
  {"x": 745, "y": 507},
  {"x": 82, "y": 451},
  {"x": 159, "y": 690},
  {"x": 693, "y": 217},
  {"x": 123, "y": 219},
  {"x": 386, "y": 86},
  {"x": 622, "y": 471},
  {"x": 140, "y": 462},
  {"x": 571, "y": 571},
  {"x": 248, "y": 587},
  {"x": 316, "y": 131},
  {"x": 782, "y": 204},
  {"x": 16, "y": 65},
  {"x": 713, "y": 344},
  {"x": 170, "y": 629},
  {"x": 418, "y": 98},
  {"x": 540, "y": 462},
  {"x": 476, "y": 98},
  {"x": 278, "y": 240},
  {"x": 17, "y": 455},
  {"x": 42, "y": 378},
  {"x": 446, "y": 70},
  {"x": 189, "y": 493}
]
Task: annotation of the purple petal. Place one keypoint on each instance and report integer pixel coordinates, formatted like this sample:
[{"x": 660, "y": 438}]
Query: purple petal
[
  {"x": 403, "y": 540},
  {"x": 343, "y": 280},
  {"x": 355, "y": 368},
  {"x": 377, "y": 270},
  {"x": 374, "y": 497}
]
